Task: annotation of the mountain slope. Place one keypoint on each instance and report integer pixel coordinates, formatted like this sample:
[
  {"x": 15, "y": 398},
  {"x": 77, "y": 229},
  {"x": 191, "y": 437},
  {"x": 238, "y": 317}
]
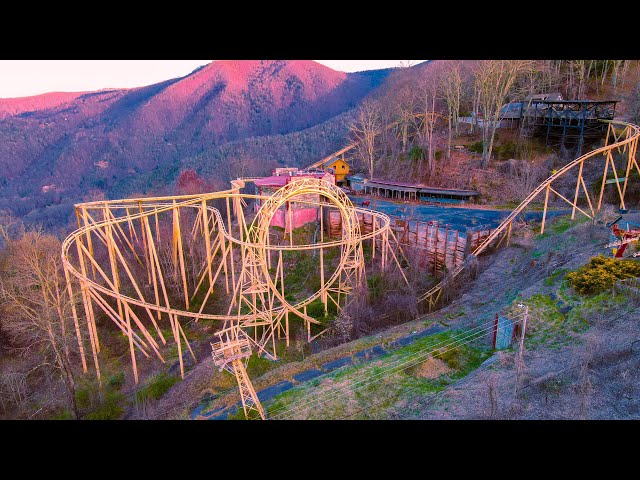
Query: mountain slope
[{"x": 56, "y": 149}]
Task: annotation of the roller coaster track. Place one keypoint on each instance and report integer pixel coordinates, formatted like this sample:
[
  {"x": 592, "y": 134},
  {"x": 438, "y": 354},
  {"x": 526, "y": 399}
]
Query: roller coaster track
[
  {"x": 625, "y": 136},
  {"x": 625, "y": 139},
  {"x": 128, "y": 275}
]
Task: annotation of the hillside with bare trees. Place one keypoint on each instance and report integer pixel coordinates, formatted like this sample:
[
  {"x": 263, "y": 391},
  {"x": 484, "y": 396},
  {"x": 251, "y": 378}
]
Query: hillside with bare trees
[{"x": 423, "y": 105}]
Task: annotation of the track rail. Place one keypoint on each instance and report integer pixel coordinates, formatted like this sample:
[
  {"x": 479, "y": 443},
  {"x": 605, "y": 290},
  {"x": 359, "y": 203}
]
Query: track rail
[
  {"x": 625, "y": 136},
  {"x": 260, "y": 303},
  {"x": 127, "y": 276}
]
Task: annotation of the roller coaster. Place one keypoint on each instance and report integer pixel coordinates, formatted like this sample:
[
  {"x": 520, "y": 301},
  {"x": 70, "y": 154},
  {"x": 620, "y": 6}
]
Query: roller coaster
[
  {"x": 146, "y": 262},
  {"x": 625, "y": 141},
  {"x": 132, "y": 260}
]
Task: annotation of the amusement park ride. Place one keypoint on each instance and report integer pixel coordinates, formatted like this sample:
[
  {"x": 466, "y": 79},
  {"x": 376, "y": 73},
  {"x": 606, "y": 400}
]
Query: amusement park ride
[
  {"x": 151, "y": 262},
  {"x": 624, "y": 238}
]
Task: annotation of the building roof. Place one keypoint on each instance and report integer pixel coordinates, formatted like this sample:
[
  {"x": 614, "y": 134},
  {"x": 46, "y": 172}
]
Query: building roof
[
  {"x": 544, "y": 96},
  {"x": 449, "y": 191},
  {"x": 413, "y": 187},
  {"x": 394, "y": 183},
  {"x": 356, "y": 176},
  {"x": 272, "y": 181},
  {"x": 282, "y": 180},
  {"x": 579, "y": 101},
  {"x": 400, "y": 188},
  {"x": 337, "y": 159}
]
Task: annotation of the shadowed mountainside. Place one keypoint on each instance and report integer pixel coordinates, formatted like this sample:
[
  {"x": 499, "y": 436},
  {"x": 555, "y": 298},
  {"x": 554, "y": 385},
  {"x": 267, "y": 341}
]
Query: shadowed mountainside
[{"x": 61, "y": 148}]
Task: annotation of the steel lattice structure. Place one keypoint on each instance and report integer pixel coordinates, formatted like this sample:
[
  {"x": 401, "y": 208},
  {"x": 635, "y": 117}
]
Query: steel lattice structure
[
  {"x": 625, "y": 141},
  {"x": 128, "y": 256}
]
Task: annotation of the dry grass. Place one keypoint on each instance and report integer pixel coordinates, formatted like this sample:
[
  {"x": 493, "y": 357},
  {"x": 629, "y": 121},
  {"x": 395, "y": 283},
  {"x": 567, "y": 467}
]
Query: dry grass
[{"x": 432, "y": 368}]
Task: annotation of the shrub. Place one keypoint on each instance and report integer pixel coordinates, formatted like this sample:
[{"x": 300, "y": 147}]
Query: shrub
[
  {"x": 376, "y": 287},
  {"x": 601, "y": 273},
  {"x": 107, "y": 411},
  {"x": 83, "y": 397},
  {"x": 62, "y": 415},
  {"x": 116, "y": 380},
  {"x": 416, "y": 153},
  {"x": 475, "y": 147},
  {"x": 110, "y": 409},
  {"x": 156, "y": 388},
  {"x": 505, "y": 151}
]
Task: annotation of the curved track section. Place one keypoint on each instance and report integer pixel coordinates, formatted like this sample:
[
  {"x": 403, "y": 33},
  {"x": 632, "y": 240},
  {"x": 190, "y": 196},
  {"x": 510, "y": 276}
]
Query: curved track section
[
  {"x": 625, "y": 141},
  {"x": 151, "y": 263}
]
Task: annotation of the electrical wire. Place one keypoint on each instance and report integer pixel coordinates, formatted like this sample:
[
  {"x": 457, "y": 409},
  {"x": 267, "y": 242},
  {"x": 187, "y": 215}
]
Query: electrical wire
[
  {"x": 466, "y": 377},
  {"x": 401, "y": 363},
  {"x": 361, "y": 384},
  {"x": 412, "y": 354}
]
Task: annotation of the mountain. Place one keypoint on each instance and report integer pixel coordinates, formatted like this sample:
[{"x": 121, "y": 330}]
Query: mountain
[{"x": 61, "y": 148}]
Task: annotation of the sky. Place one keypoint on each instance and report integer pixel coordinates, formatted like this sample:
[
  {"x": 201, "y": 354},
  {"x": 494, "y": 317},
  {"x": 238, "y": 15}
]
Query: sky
[{"x": 22, "y": 78}]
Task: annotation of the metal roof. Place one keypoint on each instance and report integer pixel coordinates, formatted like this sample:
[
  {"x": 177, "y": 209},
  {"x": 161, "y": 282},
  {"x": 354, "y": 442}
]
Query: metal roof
[
  {"x": 576, "y": 101},
  {"x": 449, "y": 191},
  {"x": 391, "y": 187}
]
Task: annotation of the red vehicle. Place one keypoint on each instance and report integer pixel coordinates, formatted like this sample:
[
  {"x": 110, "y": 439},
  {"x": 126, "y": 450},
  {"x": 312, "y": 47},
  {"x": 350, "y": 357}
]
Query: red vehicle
[{"x": 625, "y": 237}]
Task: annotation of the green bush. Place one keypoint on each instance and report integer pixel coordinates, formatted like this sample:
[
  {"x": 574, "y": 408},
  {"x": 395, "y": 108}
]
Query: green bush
[
  {"x": 601, "y": 273},
  {"x": 375, "y": 284},
  {"x": 438, "y": 154},
  {"x": 83, "y": 397},
  {"x": 505, "y": 151},
  {"x": 109, "y": 409},
  {"x": 157, "y": 387},
  {"x": 475, "y": 147},
  {"x": 116, "y": 380},
  {"x": 63, "y": 414},
  {"x": 315, "y": 309},
  {"x": 416, "y": 153}
]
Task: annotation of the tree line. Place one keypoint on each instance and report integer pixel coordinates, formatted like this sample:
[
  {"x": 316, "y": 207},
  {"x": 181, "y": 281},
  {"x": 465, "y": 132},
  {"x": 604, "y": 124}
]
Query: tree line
[{"x": 419, "y": 104}]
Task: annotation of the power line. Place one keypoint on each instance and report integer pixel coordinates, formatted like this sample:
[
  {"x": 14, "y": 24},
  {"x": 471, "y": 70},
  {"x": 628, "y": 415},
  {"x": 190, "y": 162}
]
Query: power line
[
  {"x": 416, "y": 387},
  {"x": 398, "y": 360},
  {"x": 400, "y": 364},
  {"x": 483, "y": 367},
  {"x": 395, "y": 368}
]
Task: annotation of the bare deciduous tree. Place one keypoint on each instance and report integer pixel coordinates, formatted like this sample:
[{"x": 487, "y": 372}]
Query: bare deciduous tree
[
  {"x": 494, "y": 81},
  {"x": 426, "y": 121},
  {"x": 405, "y": 113},
  {"x": 364, "y": 130},
  {"x": 36, "y": 306},
  {"x": 451, "y": 91}
]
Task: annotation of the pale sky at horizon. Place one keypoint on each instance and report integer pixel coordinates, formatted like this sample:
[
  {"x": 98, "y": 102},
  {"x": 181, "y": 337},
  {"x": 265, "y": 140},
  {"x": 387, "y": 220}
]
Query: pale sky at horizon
[{"x": 23, "y": 78}]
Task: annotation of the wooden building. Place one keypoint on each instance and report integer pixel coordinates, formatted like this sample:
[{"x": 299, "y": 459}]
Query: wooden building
[
  {"x": 340, "y": 169},
  {"x": 411, "y": 191},
  {"x": 336, "y": 164}
]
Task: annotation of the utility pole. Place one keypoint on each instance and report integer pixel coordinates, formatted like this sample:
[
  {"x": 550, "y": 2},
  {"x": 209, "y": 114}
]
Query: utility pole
[
  {"x": 520, "y": 363},
  {"x": 495, "y": 333}
]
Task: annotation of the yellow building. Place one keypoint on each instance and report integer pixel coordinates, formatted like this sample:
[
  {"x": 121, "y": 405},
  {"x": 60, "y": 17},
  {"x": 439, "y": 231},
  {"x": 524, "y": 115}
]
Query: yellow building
[{"x": 340, "y": 169}]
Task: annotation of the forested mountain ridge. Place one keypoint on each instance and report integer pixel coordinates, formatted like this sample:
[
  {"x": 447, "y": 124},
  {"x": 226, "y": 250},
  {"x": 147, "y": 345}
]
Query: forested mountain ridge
[{"x": 60, "y": 148}]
